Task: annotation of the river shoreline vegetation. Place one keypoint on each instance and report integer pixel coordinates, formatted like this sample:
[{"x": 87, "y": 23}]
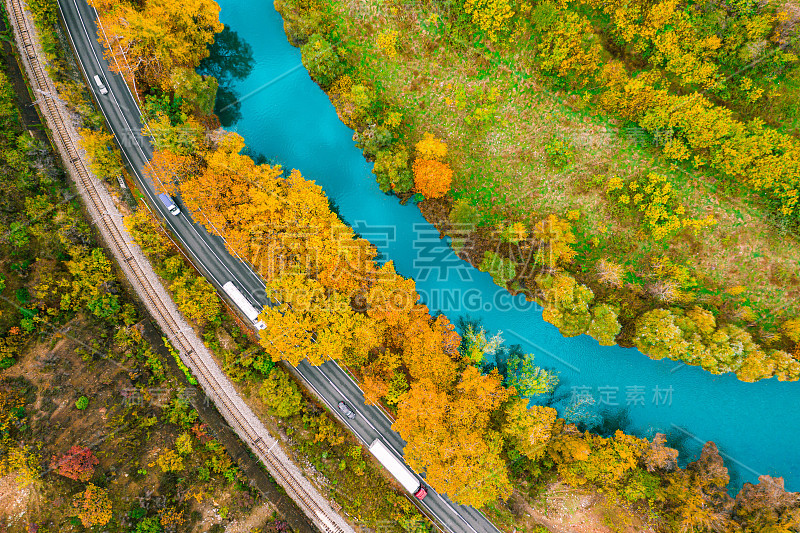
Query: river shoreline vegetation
[
  {"x": 467, "y": 425},
  {"x": 632, "y": 167}
]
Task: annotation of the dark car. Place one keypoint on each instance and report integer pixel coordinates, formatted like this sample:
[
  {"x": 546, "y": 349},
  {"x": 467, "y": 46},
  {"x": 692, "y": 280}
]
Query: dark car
[{"x": 346, "y": 411}]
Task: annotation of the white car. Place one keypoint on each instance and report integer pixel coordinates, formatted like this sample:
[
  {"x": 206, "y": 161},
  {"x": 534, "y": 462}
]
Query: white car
[
  {"x": 101, "y": 87},
  {"x": 346, "y": 411}
]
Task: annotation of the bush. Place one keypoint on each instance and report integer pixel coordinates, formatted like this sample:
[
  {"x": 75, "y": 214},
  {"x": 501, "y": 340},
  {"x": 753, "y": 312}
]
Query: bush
[{"x": 82, "y": 403}]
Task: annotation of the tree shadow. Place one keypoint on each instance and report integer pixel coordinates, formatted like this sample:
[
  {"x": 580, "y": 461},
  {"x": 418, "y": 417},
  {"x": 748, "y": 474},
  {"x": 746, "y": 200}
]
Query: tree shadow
[{"x": 230, "y": 59}]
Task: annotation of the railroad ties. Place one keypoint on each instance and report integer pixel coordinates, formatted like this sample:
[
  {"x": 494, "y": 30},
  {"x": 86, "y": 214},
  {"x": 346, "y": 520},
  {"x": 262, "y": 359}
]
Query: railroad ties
[{"x": 224, "y": 404}]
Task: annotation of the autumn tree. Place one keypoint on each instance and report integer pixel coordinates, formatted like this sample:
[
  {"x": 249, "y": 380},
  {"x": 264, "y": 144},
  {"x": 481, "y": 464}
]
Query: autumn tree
[
  {"x": 528, "y": 429},
  {"x": 431, "y": 178},
  {"x": 92, "y": 277},
  {"x": 696, "y": 498},
  {"x": 149, "y": 235},
  {"x": 491, "y": 16},
  {"x": 430, "y": 147},
  {"x": 609, "y": 462},
  {"x": 427, "y": 348},
  {"x": 791, "y": 328},
  {"x": 449, "y": 437},
  {"x": 104, "y": 157},
  {"x": 391, "y": 297},
  {"x": 78, "y": 463},
  {"x": 156, "y": 36},
  {"x": 320, "y": 324},
  {"x": 170, "y": 461},
  {"x": 167, "y": 169},
  {"x": 658, "y": 457},
  {"x": 281, "y": 394},
  {"x": 610, "y": 273},
  {"x": 554, "y": 238},
  {"x": 94, "y": 506},
  {"x": 766, "y": 506},
  {"x": 196, "y": 298}
]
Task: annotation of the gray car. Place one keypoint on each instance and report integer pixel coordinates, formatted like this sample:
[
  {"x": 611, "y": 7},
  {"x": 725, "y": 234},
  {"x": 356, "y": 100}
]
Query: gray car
[{"x": 346, "y": 411}]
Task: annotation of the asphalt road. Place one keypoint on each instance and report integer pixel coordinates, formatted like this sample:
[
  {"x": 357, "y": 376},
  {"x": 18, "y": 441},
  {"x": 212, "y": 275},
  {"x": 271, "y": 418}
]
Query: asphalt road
[{"x": 210, "y": 255}]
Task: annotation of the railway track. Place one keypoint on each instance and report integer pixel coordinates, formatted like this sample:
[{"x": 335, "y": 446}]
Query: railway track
[{"x": 129, "y": 262}]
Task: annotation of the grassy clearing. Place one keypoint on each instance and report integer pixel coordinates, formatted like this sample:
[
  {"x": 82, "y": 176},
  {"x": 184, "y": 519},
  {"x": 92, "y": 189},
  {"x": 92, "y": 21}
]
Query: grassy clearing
[{"x": 500, "y": 122}]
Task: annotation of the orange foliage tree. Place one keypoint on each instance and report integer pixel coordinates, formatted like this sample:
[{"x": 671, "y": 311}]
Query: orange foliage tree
[
  {"x": 432, "y": 178},
  {"x": 448, "y": 436}
]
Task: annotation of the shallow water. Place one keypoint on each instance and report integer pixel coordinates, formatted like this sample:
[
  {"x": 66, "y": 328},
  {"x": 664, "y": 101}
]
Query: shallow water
[{"x": 288, "y": 119}]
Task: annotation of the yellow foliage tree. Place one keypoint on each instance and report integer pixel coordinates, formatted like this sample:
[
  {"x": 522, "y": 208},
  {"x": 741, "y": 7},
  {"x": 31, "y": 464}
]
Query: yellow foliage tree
[
  {"x": 431, "y": 148},
  {"x": 156, "y": 36},
  {"x": 94, "y": 507},
  {"x": 491, "y": 16},
  {"x": 104, "y": 157},
  {"x": 170, "y": 461}
]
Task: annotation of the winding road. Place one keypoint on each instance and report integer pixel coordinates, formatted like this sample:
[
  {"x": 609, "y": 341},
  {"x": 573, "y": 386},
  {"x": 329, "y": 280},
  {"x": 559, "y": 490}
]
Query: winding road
[{"x": 209, "y": 254}]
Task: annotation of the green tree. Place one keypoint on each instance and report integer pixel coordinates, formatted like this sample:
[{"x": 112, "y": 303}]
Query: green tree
[
  {"x": 527, "y": 378},
  {"x": 17, "y": 234},
  {"x": 148, "y": 525},
  {"x": 82, "y": 403},
  {"x": 604, "y": 326},
  {"x": 322, "y": 60},
  {"x": 567, "y": 304},
  {"x": 501, "y": 269}
]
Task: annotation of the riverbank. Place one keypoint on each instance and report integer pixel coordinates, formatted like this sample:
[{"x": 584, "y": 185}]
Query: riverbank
[{"x": 537, "y": 193}]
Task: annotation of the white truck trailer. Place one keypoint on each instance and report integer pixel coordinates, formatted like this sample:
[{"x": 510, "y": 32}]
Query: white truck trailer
[
  {"x": 406, "y": 477},
  {"x": 242, "y": 303}
]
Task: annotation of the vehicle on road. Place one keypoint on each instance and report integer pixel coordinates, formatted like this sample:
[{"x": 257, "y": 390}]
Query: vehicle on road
[
  {"x": 169, "y": 203},
  {"x": 345, "y": 409},
  {"x": 401, "y": 472},
  {"x": 100, "y": 85},
  {"x": 242, "y": 303}
]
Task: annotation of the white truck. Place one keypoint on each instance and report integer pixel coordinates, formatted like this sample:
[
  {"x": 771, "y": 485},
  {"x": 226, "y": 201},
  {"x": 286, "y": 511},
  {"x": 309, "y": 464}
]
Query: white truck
[
  {"x": 242, "y": 303},
  {"x": 406, "y": 477}
]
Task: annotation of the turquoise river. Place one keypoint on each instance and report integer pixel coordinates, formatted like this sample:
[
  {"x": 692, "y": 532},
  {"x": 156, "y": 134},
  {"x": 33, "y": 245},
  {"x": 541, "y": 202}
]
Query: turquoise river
[{"x": 286, "y": 117}]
